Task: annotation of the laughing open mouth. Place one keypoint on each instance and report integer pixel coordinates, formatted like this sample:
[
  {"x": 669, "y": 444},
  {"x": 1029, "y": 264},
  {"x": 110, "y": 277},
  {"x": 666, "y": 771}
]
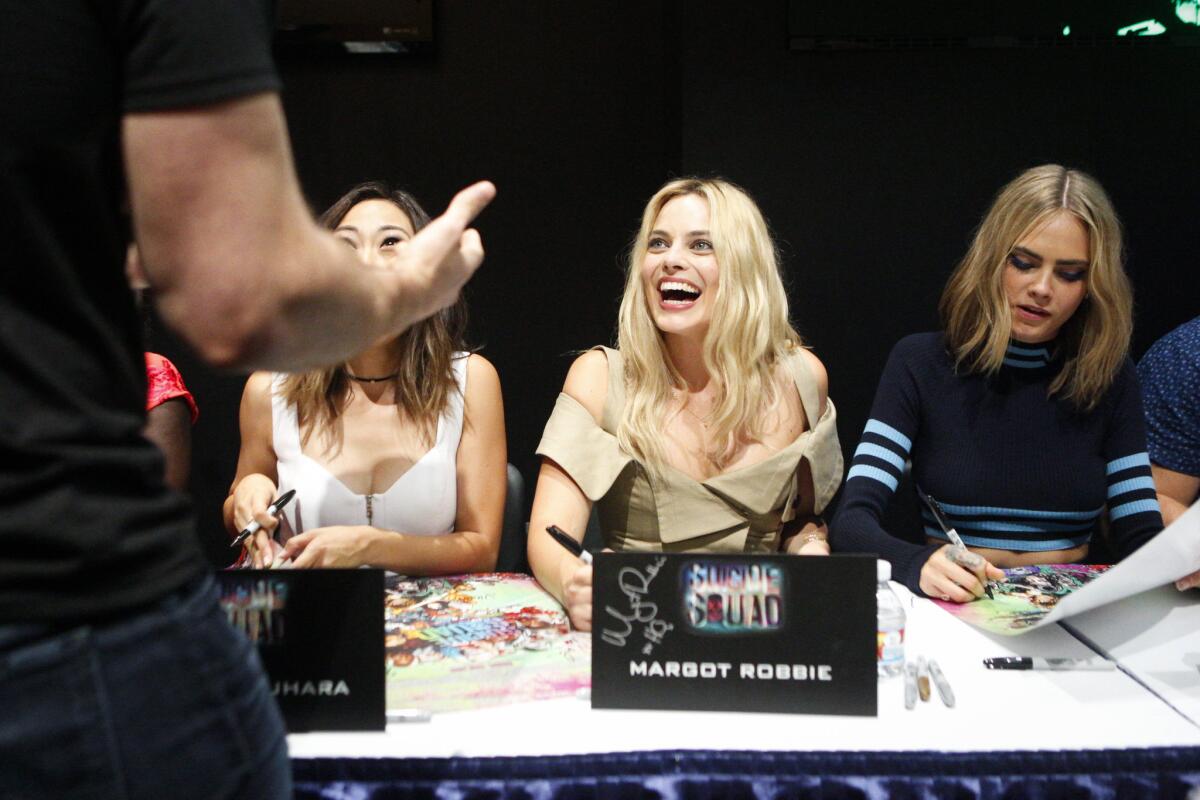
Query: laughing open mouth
[{"x": 678, "y": 293}]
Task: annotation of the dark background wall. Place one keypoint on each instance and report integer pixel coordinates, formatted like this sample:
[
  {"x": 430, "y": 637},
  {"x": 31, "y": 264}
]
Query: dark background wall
[{"x": 872, "y": 167}]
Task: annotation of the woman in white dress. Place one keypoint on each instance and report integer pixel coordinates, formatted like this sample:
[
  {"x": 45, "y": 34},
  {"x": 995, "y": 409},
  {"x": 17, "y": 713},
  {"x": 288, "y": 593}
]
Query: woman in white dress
[{"x": 397, "y": 456}]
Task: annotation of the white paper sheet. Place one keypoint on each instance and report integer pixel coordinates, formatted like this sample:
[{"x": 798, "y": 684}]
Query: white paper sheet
[{"x": 1164, "y": 559}]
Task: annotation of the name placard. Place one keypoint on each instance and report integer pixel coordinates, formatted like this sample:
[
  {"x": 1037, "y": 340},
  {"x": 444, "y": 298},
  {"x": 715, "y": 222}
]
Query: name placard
[
  {"x": 734, "y": 633},
  {"x": 320, "y": 635}
]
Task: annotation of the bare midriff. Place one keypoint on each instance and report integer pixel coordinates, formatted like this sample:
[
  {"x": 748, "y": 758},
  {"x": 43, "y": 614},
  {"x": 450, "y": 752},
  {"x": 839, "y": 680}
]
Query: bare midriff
[{"x": 1025, "y": 558}]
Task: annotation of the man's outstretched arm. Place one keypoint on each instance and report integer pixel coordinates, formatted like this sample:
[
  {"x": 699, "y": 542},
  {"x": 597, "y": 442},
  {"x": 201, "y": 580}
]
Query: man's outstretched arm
[{"x": 240, "y": 268}]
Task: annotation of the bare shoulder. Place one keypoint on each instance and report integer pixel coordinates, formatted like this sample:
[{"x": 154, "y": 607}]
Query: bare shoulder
[
  {"x": 257, "y": 394},
  {"x": 819, "y": 374},
  {"x": 587, "y": 382},
  {"x": 483, "y": 410},
  {"x": 483, "y": 381},
  {"x": 481, "y": 371},
  {"x": 818, "y": 371},
  {"x": 255, "y": 415}
]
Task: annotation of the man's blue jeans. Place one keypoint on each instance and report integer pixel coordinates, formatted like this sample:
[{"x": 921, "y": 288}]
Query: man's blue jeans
[{"x": 167, "y": 703}]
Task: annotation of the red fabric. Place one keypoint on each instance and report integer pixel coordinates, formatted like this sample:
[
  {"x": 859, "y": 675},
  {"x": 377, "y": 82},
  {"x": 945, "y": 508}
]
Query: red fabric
[{"x": 163, "y": 383}]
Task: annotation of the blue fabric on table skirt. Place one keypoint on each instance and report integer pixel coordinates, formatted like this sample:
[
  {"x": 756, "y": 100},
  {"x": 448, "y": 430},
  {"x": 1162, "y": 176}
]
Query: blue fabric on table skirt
[
  {"x": 701, "y": 775},
  {"x": 169, "y": 703}
]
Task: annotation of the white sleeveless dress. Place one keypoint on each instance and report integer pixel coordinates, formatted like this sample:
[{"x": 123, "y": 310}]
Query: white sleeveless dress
[{"x": 422, "y": 501}]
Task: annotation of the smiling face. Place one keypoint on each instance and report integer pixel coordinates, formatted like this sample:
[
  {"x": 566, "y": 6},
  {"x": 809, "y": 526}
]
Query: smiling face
[
  {"x": 680, "y": 272},
  {"x": 1045, "y": 277},
  {"x": 377, "y": 229}
]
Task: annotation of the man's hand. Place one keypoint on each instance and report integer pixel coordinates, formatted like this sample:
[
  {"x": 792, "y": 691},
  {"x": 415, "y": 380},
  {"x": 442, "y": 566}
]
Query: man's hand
[
  {"x": 240, "y": 268},
  {"x": 442, "y": 257}
]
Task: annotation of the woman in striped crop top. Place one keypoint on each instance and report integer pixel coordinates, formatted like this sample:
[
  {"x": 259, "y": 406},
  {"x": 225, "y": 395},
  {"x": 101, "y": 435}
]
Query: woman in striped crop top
[
  {"x": 397, "y": 456},
  {"x": 1023, "y": 416}
]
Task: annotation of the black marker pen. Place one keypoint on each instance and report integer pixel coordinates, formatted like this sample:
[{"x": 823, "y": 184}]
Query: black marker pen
[{"x": 568, "y": 541}]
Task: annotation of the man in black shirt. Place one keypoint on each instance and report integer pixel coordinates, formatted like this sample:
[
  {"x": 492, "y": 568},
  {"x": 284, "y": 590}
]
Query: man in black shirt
[{"x": 118, "y": 674}]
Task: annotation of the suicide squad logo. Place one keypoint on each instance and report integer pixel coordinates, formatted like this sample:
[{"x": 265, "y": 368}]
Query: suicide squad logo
[{"x": 729, "y": 597}]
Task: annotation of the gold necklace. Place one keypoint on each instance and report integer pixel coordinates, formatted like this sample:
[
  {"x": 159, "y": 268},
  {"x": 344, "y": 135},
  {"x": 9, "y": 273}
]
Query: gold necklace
[
  {"x": 702, "y": 420},
  {"x": 686, "y": 408}
]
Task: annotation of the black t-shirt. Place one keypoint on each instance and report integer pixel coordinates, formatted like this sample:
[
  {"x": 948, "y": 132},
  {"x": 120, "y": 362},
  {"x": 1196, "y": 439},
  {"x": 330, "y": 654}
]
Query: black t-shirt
[{"x": 87, "y": 526}]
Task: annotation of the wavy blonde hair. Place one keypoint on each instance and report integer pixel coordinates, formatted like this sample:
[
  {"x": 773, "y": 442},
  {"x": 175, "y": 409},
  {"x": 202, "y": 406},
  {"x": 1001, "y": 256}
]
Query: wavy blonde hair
[
  {"x": 975, "y": 312},
  {"x": 747, "y": 337},
  {"x": 423, "y": 354}
]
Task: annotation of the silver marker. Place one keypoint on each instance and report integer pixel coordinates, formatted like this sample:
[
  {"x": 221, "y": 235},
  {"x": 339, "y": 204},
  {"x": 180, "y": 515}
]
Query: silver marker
[
  {"x": 943, "y": 685},
  {"x": 910, "y": 685},
  {"x": 396, "y": 715}
]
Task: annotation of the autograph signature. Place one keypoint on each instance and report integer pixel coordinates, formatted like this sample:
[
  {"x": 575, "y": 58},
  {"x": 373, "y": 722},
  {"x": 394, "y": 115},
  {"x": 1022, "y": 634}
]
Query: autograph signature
[{"x": 635, "y": 584}]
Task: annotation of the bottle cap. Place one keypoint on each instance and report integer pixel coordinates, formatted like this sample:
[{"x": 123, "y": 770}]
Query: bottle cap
[{"x": 883, "y": 570}]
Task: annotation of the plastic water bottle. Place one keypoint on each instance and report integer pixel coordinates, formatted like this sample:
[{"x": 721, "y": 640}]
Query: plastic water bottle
[{"x": 889, "y": 638}]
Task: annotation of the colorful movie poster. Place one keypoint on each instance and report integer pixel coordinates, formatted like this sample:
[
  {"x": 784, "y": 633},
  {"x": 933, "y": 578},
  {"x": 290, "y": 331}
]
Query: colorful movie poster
[
  {"x": 1024, "y": 597},
  {"x": 471, "y": 641}
]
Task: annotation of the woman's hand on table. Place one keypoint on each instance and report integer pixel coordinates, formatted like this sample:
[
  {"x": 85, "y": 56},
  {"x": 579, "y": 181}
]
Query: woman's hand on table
[
  {"x": 955, "y": 574},
  {"x": 811, "y": 540},
  {"x": 335, "y": 546},
  {"x": 250, "y": 500}
]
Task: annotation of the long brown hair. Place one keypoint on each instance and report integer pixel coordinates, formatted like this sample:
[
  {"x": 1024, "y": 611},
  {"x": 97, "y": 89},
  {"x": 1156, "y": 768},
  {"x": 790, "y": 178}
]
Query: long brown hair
[
  {"x": 975, "y": 314},
  {"x": 423, "y": 354}
]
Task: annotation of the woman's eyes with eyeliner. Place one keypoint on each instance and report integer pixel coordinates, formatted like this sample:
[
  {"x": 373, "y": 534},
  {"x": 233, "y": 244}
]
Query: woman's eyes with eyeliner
[
  {"x": 657, "y": 243},
  {"x": 1019, "y": 262},
  {"x": 391, "y": 241},
  {"x": 1072, "y": 276},
  {"x": 702, "y": 244}
]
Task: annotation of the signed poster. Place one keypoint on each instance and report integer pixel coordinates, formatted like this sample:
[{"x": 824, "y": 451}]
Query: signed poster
[
  {"x": 471, "y": 641},
  {"x": 1168, "y": 556},
  {"x": 734, "y": 633},
  {"x": 1025, "y": 597}
]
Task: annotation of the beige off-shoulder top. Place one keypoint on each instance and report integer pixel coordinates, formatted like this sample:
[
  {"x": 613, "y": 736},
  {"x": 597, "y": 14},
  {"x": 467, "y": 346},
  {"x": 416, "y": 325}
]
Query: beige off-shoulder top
[{"x": 738, "y": 511}]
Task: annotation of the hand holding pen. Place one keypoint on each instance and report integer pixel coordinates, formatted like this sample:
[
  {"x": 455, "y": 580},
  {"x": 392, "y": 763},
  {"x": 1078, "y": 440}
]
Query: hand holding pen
[
  {"x": 260, "y": 527},
  {"x": 953, "y": 572},
  {"x": 577, "y": 584},
  {"x": 567, "y": 541}
]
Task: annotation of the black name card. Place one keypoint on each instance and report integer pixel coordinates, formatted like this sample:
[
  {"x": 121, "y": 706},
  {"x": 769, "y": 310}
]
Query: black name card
[
  {"x": 320, "y": 635},
  {"x": 734, "y": 633}
]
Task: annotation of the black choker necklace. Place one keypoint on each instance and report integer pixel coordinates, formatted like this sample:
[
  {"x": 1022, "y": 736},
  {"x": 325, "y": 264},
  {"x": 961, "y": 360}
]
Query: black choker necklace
[{"x": 354, "y": 377}]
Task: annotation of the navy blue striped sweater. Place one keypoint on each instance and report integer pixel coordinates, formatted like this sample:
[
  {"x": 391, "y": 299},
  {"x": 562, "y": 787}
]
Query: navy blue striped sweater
[{"x": 1012, "y": 468}]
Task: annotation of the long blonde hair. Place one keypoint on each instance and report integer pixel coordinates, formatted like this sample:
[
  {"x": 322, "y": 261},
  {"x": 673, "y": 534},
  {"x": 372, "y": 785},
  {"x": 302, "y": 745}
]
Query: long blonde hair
[
  {"x": 748, "y": 335},
  {"x": 975, "y": 311},
  {"x": 423, "y": 354}
]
